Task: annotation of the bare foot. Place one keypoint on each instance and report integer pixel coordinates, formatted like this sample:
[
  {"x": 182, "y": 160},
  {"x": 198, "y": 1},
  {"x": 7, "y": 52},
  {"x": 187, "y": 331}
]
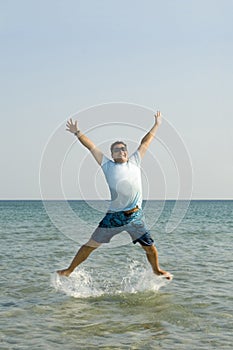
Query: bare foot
[
  {"x": 166, "y": 274},
  {"x": 64, "y": 272}
]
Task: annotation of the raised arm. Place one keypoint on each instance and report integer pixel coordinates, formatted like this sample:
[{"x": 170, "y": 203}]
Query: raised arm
[
  {"x": 73, "y": 128},
  {"x": 150, "y": 135}
]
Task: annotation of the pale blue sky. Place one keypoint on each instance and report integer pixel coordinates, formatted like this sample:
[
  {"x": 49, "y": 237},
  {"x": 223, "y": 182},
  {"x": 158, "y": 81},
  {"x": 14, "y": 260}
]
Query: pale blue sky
[{"x": 60, "y": 57}]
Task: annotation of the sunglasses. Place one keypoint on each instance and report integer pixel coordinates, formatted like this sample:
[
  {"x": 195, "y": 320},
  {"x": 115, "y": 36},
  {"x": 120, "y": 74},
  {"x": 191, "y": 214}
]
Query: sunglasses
[{"x": 118, "y": 149}]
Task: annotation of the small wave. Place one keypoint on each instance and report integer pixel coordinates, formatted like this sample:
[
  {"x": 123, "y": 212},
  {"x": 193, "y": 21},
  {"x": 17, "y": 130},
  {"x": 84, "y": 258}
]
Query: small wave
[{"x": 83, "y": 284}]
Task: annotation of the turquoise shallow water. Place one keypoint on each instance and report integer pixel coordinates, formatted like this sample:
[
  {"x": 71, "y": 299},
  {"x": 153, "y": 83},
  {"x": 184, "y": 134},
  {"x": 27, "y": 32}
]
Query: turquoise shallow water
[{"x": 113, "y": 301}]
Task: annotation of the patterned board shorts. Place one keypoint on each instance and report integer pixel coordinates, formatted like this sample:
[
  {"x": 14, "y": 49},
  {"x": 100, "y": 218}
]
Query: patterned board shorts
[{"x": 114, "y": 223}]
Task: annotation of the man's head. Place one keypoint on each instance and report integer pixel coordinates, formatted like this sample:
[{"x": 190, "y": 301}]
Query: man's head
[{"x": 119, "y": 152}]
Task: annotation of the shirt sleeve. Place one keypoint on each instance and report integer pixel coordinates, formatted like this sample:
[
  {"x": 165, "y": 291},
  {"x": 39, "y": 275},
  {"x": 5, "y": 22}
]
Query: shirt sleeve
[
  {"x": 105, "y": 163},
  {"x": 136, "y": 158}
]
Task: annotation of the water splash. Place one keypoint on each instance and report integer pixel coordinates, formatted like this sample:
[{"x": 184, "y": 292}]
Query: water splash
[
  {"x": 141, "y": 279},
  {"x": 83, "y": 284},
  {"x": 79, "y": 284}
]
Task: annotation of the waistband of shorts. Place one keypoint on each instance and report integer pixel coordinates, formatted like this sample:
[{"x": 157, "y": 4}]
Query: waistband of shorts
[
  {"x": 131, "y": 211},
  {"x": 126, "y": 212}
]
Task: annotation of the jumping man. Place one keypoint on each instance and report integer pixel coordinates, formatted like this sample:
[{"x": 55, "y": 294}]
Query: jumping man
[{"x": 123, "y": 176}]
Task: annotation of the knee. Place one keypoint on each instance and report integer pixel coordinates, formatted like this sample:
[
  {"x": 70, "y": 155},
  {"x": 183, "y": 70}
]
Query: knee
[{"x": 92, "y": 244}]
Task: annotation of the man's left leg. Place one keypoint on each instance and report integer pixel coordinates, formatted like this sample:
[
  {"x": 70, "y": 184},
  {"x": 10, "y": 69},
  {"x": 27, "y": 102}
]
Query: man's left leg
[
  {"x": 153, "y": 258},
  {"x": 140, "y": 234}
]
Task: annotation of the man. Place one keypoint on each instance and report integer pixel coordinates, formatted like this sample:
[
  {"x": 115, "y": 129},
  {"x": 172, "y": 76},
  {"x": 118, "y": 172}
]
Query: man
[{"x": 123, "y": 176}]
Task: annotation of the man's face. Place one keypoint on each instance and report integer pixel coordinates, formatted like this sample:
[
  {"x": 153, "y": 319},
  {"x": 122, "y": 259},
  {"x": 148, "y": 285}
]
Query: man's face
[{"x": 120, "y": 153}]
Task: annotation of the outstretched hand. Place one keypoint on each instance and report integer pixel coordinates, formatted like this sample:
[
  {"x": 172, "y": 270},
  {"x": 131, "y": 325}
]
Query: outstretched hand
[
  {"x": 72, "y": 126},
  {"x": 158, "y": 118}
]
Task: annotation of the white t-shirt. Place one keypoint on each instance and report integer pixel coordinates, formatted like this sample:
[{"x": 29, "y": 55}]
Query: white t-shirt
[{"x": 124, "y": 181}]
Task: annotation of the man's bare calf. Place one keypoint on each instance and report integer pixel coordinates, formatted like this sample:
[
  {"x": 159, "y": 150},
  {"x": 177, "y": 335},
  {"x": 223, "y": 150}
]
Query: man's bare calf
[
  {"x": 152, "y": 256},
  {"x": 81, "y": 256}
]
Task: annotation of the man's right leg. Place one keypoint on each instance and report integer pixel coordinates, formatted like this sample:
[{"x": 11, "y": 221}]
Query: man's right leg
[{"x": 81, "y": 256}]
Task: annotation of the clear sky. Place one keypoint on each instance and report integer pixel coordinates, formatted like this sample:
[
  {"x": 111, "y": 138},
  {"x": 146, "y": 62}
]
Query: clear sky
[{"x": 61, "y": 57}]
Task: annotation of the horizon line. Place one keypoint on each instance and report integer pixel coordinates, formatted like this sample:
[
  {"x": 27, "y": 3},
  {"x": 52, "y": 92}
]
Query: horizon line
[{"x": 108, "y": 200}]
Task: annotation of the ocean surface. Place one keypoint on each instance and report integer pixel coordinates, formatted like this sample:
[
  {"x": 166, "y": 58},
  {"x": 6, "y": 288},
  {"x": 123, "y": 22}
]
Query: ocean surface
[{"x": 113, "y": 300}]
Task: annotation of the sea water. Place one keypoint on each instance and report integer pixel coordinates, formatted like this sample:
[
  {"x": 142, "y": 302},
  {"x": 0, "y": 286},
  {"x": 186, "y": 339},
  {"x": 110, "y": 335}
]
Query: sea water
[{"x": 113, "y": 300}]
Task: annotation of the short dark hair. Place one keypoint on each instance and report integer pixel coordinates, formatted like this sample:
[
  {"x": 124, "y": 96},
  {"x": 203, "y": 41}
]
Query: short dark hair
[{"x": 117, "y": 143}]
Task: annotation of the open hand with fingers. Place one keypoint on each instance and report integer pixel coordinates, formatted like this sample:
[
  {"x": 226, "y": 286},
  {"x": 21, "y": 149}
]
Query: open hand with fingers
[
  {"x": 158, "y": 118},
  {"x": 72, "y": 126}
]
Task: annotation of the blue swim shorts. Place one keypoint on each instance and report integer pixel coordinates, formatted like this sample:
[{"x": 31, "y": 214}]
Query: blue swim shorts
[{"x": 115, "y": 222}]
